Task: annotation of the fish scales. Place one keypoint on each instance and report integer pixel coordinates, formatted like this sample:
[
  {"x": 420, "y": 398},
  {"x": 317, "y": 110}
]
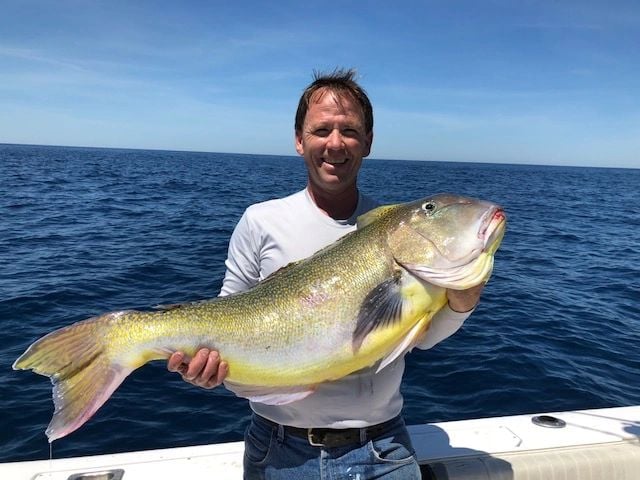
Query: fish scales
[{"x": 366, "y": 299}]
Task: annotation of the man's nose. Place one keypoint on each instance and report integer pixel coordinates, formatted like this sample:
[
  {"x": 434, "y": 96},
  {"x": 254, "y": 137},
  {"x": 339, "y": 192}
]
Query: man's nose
[{"x": 334, "y": 141}]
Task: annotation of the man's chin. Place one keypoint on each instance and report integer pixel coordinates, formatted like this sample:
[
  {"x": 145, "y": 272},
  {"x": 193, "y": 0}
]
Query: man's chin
[{"x": 336, "y": 183}]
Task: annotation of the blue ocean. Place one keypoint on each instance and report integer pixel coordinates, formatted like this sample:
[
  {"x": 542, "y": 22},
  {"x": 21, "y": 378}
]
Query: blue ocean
[{"x": 87, "y": 230}]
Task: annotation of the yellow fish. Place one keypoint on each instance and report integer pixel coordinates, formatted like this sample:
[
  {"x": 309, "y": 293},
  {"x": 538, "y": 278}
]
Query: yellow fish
[{"x": 366, "y": 299}]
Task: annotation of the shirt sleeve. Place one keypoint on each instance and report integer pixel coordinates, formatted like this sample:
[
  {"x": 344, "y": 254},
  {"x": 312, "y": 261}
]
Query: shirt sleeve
[
  {"x": 243, "y": 265},
  {"x": 443, "y": 324}
]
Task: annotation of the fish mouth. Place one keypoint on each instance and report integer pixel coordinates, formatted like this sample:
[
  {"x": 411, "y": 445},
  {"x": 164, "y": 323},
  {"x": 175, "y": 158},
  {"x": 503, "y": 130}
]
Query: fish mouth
[
  {"x": 492, "y": 228},
  {"x": 473, "y": 268}
]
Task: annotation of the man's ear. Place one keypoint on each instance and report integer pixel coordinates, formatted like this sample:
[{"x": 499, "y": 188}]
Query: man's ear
[
  {"x": 298, "y": 142},
  {"x": 368, "y": 143}
]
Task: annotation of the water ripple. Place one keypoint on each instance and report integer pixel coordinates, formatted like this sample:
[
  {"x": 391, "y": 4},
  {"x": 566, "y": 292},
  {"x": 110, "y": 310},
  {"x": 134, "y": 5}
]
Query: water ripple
[{"x": 83, "y": 231}]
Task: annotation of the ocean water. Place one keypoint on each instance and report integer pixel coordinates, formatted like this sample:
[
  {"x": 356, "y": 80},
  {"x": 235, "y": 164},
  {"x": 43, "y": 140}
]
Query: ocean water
[{"x": 84, "y": 231}]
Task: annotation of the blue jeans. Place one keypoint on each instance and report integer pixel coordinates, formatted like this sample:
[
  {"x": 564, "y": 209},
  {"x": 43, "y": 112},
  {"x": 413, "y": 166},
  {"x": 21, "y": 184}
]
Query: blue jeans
[{"x": 272, "y": 454}]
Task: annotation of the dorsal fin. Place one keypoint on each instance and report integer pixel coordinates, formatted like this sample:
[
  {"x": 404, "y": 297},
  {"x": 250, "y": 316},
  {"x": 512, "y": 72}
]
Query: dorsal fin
[
  {"x": 167, "y": 307},
  {"x": 281, "y": 270}
]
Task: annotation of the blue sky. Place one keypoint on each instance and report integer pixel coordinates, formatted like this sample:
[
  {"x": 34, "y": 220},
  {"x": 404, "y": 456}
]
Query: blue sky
[{"x": 544, "y": 82}]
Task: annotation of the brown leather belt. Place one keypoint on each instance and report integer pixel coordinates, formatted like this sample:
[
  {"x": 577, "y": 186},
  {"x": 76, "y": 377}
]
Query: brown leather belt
[{"x": 336, "y": 437}]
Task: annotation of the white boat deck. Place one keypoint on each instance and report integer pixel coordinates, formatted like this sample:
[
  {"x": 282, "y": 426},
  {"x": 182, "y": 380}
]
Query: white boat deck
[{"x": 593, "y": 445}]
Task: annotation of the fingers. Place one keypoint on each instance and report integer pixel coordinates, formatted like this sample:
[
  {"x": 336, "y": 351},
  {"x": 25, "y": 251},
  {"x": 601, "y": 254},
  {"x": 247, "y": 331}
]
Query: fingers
[
  {"x": 197, "y": 366},
  {"x": 205, "y": 369},
  {"x": 217, "y": 378},
  {"x": 175, "y": 362}
]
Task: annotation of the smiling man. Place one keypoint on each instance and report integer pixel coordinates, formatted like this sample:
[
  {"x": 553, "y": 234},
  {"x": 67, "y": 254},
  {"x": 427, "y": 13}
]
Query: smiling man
[
  {"x": 352, "y": 427},
  {"x": 334, "y": 131}
]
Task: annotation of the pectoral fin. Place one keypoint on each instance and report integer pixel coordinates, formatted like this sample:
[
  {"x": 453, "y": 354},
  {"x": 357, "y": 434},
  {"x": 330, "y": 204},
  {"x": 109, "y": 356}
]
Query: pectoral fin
[
  {"x": 402, "y": 298},
  {"x": 381, "y": 308},
  {"x": 411, "y": 340}
]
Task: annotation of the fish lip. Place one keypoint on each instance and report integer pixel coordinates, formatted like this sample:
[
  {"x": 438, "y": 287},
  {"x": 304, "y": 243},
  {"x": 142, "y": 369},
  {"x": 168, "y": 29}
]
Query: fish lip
[{"x": 492, "y": 225}]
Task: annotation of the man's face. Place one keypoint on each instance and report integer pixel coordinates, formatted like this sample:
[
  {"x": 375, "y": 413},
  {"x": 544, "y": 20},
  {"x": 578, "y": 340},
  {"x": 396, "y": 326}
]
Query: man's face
[{"x": 333, "y": 141}]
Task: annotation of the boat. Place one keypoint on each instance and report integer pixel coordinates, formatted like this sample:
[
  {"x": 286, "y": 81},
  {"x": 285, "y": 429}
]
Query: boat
[{"x": 595, "y": 444}]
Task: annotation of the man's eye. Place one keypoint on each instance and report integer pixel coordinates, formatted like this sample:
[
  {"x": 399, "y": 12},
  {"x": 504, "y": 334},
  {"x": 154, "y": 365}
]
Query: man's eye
[{"x": 321, "y": 132}]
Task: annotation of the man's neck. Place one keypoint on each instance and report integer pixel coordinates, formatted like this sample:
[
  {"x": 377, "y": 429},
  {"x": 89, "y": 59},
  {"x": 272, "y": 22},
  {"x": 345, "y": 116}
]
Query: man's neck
[{"x": 338, "y": 206}]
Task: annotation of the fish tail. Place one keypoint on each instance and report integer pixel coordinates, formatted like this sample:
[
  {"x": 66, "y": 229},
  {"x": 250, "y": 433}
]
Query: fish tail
[{"x": 83, "y": 373}]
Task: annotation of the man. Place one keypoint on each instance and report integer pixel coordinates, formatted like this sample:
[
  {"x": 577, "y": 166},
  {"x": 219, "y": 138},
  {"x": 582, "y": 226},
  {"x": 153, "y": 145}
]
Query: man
[{"x": 350, "y": 428}]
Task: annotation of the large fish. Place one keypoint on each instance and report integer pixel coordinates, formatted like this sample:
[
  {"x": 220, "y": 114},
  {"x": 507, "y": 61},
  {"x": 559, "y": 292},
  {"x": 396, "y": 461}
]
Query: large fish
[{"x": 367, "y": 298}]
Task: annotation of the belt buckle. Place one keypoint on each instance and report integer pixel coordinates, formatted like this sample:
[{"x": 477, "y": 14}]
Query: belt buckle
[{"x": 311, "y": 438}]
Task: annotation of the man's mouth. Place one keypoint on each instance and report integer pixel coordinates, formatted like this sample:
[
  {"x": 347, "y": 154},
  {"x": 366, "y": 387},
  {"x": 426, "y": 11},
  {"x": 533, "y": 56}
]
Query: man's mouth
[{"x": 335, "y": 161}]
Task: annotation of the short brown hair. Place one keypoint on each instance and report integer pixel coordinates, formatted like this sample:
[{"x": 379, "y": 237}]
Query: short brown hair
[{"x": 341, "y": 82}]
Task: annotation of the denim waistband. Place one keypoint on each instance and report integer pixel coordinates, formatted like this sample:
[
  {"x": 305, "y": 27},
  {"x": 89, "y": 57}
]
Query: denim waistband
[{"x": 333, "y": 437}]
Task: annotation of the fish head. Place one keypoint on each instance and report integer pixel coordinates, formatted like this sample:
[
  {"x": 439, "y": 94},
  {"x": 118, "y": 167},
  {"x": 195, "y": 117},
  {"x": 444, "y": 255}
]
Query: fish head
[{"x": 447, "y": 240}]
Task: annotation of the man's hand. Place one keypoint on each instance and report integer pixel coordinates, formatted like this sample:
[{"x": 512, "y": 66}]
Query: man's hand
[
  {"x": 205, "y": 369},
  {"x": 464, "y": 300}
]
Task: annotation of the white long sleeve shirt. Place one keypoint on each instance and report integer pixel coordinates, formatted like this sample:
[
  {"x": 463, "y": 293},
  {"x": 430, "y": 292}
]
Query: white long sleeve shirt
[{"x": 272, "y": 234}]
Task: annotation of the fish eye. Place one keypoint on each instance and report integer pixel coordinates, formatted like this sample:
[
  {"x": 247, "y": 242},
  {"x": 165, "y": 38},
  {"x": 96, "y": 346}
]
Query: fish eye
[{"x": 428, "y": 207}]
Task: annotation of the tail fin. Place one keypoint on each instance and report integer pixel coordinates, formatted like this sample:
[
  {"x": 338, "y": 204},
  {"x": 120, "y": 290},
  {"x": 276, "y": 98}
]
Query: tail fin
[{"x": 81, "y": 371}]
